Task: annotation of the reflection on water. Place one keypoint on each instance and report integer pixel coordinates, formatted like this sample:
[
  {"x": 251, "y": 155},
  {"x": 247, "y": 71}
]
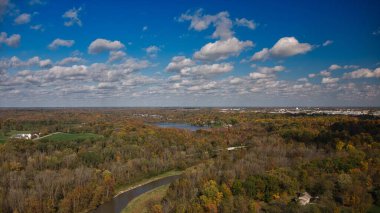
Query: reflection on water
[
  {"x": 180, "y": 126},
  {"x": 118, "y": 203}
]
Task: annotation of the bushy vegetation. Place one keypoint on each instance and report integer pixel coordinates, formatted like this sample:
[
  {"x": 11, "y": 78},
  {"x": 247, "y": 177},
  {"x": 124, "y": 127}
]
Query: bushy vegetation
[{"x": 334, "y": 158}]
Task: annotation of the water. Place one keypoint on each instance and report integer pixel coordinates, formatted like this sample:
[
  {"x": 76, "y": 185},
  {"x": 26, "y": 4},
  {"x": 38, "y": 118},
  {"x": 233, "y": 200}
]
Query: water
[
  {"x": 118, "y": 203},
  {"x": 180, "y": 126}
]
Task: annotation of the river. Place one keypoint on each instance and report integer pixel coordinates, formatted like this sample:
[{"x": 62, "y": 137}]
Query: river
[{"x": 117, "y": 204}]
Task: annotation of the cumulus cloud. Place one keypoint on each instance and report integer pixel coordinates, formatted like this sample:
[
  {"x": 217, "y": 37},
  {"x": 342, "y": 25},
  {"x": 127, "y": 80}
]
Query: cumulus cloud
[
  {"x": 100, "y": 45},
  {"x": 266, "y": 72},
  {"x": 23, "y": 19},
  {"x": 222, "y": 49},
  {"x": 262, "y": 55},
  {"x": 116, "y": 55},
  {"x": 11, "y": 41},
  {"x": 37, "y": 27},
  {"x": 257, "y": 75},
  {"x": 70, "y": 60},
  {"x": 270, "y": 70},
  {"x": 4, "y": 5},
  {"x": 245, "y": 23},
  {"x": 60, "y": 43},
  {"x": 327, "y": 43},
  {"x": 179, "y": 62},
  {"x": 363, "y": 73},
  {"x": 285, "y": 47},
  {"x": 334, "y": 67},
  {"x": 152, "y": 50},
  {"x": 207, "y": 86},
  {"x": 207, "y": 69},
  {"x": 220, "y": 21},
  {"x": 329, "y": 80},
  {"x": 72, "y": 17}
]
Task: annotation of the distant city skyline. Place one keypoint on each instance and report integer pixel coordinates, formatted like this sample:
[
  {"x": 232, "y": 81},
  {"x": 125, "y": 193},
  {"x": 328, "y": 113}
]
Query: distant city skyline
[{"x": 189, "y": 53}]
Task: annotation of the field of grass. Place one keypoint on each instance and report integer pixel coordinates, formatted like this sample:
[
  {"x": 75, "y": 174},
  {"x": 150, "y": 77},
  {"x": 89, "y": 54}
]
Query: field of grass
[
  {"x": 71, "y": 136},
  {"x": 4, "y": 138},
  {"x": 140, "y": 203}
]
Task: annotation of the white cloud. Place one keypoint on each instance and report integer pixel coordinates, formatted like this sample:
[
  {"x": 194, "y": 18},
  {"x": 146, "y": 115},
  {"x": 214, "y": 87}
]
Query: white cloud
[
  {"x": 270, "y": 70},
  {"x": 60, "y": 43},
  {"x": 37, "y": 27},
  {"x": 236, "y": 81},
  {"x": 45, "y": 63},
  {"x": 285, "y": 47},
  {"x": 325, "y": 73},
  {"x": 327, "y": 43},
  {"x": 222, "y": 49},
  {"x": 72, "y": 17},
  {"x": 207, "y": 69},
  {"x": 376, "y": 32},
  {"x": 23, "y": 19},
  {"x": 329, "y": 80},
  {"x": 4, "y": 6},
  {"x": 246, "y": 23},
  {"x": 12, "y": 41},
  {"x": 100, "y": 45},
  {"x": 266, "y": 72},
  {"x": 71, "y": 60},
  {"x": 289, "y": 46},
  {"x": 152, "y": 50},
  {"x": 145, "y": 28},
  {"x": 221, "y": 21},
  {"x": 257, "y": 75},
  {"x": 179, "y": 62},
  {"x": 334, "y": 67},
  {"x": 311, "y": 75},
  {"x": 262, "y": 55},
  {"x": 363, "y": 73},
  {"x": 207, "y": 86},
  {"x": 116, "y": 55}
]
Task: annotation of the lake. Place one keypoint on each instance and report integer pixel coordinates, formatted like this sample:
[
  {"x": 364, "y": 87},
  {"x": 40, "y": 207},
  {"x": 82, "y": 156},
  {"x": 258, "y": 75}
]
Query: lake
[{"x": 185, "y": 126}]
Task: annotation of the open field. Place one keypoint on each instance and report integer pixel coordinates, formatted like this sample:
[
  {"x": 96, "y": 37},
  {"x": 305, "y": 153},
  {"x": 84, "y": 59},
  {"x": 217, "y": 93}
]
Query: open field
[
  {"x": 141, "y": 203},
  {"x": 4, "y": 138},
  {"x": 71, "y": 136}
]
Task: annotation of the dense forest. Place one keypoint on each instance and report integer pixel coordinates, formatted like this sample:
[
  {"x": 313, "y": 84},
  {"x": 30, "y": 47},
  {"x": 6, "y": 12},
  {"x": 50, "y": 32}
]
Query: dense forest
[{"x": 334, "y": 158}]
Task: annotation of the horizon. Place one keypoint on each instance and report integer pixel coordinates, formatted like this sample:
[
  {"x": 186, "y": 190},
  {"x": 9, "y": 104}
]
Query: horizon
[{"x": 180, "y": 54}]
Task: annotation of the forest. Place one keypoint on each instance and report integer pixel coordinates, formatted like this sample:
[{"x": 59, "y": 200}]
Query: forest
[{"x": 96, "y": 151}]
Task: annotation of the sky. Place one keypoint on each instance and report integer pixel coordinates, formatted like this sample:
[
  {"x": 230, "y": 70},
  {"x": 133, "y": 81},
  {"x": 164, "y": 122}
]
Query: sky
[{"x": 97, "y": 53}]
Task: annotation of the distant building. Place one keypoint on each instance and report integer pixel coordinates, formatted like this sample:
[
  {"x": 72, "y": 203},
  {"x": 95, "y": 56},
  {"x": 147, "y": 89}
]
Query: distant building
[
  {"x": 27, "y": 136},
  {"x": 304, "y": 198}
]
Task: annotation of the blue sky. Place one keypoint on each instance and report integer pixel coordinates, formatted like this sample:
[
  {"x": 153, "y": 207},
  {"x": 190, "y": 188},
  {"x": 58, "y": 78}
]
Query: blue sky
[{"x": 189, "y": 53}]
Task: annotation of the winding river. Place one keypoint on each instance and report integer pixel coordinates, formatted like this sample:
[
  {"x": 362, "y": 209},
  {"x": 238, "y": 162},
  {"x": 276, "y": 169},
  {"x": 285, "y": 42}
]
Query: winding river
[{"x": 118, "y": 203}]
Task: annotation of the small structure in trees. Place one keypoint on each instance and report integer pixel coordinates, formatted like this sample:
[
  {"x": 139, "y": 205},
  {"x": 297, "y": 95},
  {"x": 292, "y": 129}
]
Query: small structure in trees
[{"x": 304, "y": 198}]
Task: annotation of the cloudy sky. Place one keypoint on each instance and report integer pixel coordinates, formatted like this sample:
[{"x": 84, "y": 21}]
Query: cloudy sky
[{"x": 189, "y": 53}]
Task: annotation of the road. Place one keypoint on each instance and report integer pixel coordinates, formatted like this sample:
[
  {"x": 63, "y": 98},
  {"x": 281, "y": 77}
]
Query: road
[{"x": 46, "y": 135}]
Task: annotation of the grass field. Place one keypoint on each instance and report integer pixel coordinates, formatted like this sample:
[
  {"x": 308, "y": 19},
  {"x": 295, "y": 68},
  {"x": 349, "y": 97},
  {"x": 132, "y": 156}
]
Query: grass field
[
  {"x": 140, "y": 203},
  {"x": 4, "y": 138},
  {"x": 71, "y": 136}
]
